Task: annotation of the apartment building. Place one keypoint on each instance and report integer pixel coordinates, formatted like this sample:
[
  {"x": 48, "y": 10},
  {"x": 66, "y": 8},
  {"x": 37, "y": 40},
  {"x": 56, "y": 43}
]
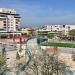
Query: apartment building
[
  {"x": 9, "y": 20},
  {"x": 57, "y": 28}
]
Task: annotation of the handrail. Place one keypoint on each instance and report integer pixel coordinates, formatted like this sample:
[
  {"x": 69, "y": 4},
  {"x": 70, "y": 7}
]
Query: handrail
[{"x": 22, "y": 68}]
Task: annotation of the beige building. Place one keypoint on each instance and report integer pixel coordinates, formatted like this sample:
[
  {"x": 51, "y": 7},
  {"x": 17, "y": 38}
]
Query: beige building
[
  {"x": 9, "y": 20},
  {"x": 57, "y": 28},
  {"x": 25, "y": 31},
  {"x": 1, "y": 24},
  {"x": 72, "y": 27}
]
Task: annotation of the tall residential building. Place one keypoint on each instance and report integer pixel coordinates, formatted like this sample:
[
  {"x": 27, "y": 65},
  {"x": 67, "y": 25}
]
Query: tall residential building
[{"x": 9, "y": 20}]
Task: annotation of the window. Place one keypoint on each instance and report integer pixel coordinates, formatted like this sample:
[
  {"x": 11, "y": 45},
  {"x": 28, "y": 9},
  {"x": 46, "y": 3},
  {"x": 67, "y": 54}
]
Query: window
[
  {"x": 11, "y": 24},
  {"x": 55, "y": 26},
  {"x": 16, "y": 26},
  {"x": 2, "y": 15},
  {"x": 4, "y": 21},
  {"x": 11, "y": 27},
  {"x": 4, "y": 24},
  {"x": 63, "y": 26},
  {"x": 55, "y": 30},
  {"x": 51, "y": 28},
  {"x": 44, "y": 28},
  {"x": 16, "y": 22},
  {"x": 4, "y": 27},
  {"x": 68, "y": 27}
]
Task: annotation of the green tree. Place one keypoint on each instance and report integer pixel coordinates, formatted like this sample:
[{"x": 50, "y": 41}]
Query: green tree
[
  {"x": 3, "y": 66},
  {"x": 51, "y": 35},
  {"x": 72, "y": 32},
  {"x": 46, "y": 64}
]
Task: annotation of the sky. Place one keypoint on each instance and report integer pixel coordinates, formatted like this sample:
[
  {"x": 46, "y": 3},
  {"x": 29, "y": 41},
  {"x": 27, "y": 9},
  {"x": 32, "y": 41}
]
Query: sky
[{"x": 42, "y": 12}]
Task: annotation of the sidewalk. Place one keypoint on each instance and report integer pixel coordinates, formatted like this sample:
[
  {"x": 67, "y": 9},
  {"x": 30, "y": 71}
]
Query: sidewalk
[{"x": 66, "y": 58}]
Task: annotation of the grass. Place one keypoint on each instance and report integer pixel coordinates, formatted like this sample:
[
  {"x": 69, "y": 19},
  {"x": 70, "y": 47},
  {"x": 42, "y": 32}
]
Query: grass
[{"x": 56, "y": 44}]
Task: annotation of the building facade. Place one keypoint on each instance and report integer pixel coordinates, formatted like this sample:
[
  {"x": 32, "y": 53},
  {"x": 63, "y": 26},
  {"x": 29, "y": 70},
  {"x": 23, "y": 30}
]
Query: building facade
[
  {"x": 9, "y": 20},
  {"x": 57, "y": 28}
]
